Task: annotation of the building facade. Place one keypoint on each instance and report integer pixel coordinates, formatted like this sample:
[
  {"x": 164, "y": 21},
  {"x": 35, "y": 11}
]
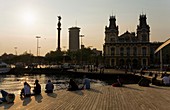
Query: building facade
[
  {"x": 129, "y": 49},
  {"x": 74, "y": 44}
]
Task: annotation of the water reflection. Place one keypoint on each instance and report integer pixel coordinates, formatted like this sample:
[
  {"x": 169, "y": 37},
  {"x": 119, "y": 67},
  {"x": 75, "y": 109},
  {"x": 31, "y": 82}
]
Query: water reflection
[{"x": 14, "y": 83}]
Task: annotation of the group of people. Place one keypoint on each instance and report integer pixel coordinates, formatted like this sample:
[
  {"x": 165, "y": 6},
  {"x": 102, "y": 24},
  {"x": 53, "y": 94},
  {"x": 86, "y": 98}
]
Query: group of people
[
  {"x": 164, "y": 82},
  {"x": 26, "y": 90},
  {"x": 73, "y": 85}
]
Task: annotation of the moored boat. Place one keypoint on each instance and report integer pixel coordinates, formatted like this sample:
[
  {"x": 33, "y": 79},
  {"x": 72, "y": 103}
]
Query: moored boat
[{"x": 4, "y": 68}]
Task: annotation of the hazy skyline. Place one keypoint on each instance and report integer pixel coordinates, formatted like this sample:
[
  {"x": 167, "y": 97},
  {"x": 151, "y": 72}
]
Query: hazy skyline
[{"x": 21, "y": 21}]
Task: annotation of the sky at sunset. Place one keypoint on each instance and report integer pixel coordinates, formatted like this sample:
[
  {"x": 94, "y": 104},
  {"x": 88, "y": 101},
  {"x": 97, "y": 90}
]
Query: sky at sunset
[{"x": 22, "y": 20}]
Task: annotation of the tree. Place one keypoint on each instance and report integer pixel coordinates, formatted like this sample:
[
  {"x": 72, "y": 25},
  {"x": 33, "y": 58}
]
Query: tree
[{"x": 54, "y": 57}]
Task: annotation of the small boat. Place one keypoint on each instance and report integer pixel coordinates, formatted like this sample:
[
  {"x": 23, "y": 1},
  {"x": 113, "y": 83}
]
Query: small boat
[{"x": 4, "y": 68}]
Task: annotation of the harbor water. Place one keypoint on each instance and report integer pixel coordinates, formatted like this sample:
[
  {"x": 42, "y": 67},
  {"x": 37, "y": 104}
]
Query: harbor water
[{"x": 14, "y": 83}]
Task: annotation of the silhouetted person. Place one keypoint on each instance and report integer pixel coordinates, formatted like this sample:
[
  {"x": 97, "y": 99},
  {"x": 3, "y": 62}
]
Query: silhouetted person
[
  {"x": 49, "y": 87},
  {"x": 37, "y": 88},
  {"x": 101, "y": 68},
  {"x": 155, "y": 81},
  {"x": 150, "y": 74},
  {"x": 72, "y": 85},
  {"x": 7, "y": 97},
  {"x": 86, "y": 83},
  {"x": 144, "y": 82},
  {"x": 166, "y": 80},
  {"x": 118, "y": 83},
  {"x": 26, "y": 91},
  {"x": 141, "y": 71}
]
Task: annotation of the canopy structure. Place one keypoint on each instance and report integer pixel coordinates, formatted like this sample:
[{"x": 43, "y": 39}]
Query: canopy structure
[
  {"x": 163, "y": 45},
  {"x": 160, "y": 49}
]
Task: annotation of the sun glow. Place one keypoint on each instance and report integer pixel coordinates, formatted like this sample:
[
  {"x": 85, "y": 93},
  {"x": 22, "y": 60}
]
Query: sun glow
[{"x": 29, "y": 18}]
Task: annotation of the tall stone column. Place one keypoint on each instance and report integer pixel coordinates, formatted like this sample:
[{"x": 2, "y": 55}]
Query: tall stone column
[{"x": 59, "y": 29}]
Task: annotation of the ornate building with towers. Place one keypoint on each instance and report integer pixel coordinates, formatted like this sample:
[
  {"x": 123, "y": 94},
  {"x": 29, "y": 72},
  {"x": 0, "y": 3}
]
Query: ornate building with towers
[{"x": 129, "y": 49}]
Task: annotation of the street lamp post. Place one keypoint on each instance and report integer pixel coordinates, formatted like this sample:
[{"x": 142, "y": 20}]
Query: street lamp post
[
  {"x": 37, "y": 43},
  {"x": 81, "y": 45},
  {"x": 39, "y": 50},
  {"x": 15, "y": 50}
]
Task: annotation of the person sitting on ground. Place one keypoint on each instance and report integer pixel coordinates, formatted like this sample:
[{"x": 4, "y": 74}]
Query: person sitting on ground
[
  {"x": 49, "y": 87},
  {"x": 150, "y": 74},
  {"x": 37, "y": 88},
  {"x": 7, "y": 97},
  {"x": 86, "y": 83},
  {"x": 118, "y": 83},
  {"x": 166, "y": 80},
  {"x": 144, "y": 82},
  {"x": 26, "y": 91},
  {"x": 72, "y": 85},
  {"x": 155, "y": 81}
]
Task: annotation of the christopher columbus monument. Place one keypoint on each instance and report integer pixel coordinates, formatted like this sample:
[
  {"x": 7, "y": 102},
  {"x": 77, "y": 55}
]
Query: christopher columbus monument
[{"x": 59, "y": 29}]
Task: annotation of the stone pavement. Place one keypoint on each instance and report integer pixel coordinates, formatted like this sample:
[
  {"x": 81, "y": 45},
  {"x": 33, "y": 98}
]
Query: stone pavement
[{"x": 129, "y": 97}]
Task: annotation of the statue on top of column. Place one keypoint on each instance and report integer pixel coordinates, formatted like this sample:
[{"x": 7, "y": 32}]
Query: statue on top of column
[{"x": 59, "y": 24}]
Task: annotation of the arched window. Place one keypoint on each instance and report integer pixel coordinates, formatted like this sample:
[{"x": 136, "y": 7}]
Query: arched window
[
  {"x": 135, "y": 63},
  {"x": 112, "y": 51},
  {"x": 144, "y": 62},
  {"x": 112, "y": 39},
  {"x": 143, "y": 51},
  {"x": 113, "y": 62},
  {"x": 134, "y": 51},
  {"x": 121, "y": 51},
  {"x": 128, "y": 51},
  {"x": 122, "y": 62},
  {"x": 144, "y": 37}
]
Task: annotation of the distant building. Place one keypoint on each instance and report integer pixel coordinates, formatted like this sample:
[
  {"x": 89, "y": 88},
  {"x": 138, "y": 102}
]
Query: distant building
[
  {"x": 97, "y": 54},
  {"x": 131, "y": 50},
  {"x": 128, "y": 49},
  {"x": 74, "y": 44}
]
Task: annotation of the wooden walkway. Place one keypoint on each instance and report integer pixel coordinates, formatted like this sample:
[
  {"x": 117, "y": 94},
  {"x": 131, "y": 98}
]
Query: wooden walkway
[{"x": 129, "y": 97}]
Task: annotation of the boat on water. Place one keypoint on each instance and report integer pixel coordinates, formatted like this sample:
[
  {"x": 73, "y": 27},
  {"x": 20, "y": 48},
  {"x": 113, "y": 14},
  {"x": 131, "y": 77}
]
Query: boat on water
[{"x": 4, "y": 68}]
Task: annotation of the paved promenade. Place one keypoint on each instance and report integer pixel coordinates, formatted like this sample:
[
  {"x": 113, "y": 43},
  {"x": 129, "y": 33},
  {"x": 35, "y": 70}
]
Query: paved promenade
[{"x": 129, "y": 97}]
